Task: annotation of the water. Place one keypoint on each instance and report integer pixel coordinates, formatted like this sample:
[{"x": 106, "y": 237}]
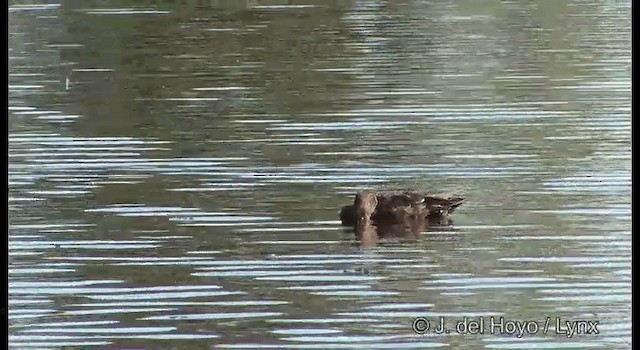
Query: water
[{"x": 176, "y": 172}]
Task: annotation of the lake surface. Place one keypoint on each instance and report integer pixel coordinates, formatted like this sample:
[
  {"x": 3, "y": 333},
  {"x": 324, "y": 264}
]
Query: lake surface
[{"x": 176, "y": 171}]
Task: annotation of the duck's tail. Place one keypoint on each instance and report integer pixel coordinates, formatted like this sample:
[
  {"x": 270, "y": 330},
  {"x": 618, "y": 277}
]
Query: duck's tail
[
  {"x": 442, "y": 205},
  {"x": 455, "y": 202}
]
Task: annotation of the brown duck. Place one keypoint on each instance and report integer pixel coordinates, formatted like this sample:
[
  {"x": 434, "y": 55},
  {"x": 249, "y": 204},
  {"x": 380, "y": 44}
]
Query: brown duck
[{"x": 390, "y": 207}]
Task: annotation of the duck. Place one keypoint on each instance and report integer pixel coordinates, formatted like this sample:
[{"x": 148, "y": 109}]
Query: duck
[{"x": 398, "y": 207}]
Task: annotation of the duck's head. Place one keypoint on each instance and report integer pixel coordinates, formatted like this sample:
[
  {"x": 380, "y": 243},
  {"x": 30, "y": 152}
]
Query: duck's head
[{"x": 365, "y": 204}]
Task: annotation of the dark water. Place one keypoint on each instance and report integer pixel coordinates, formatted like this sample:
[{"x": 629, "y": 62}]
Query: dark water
[{"x": 176, "y": 171}]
